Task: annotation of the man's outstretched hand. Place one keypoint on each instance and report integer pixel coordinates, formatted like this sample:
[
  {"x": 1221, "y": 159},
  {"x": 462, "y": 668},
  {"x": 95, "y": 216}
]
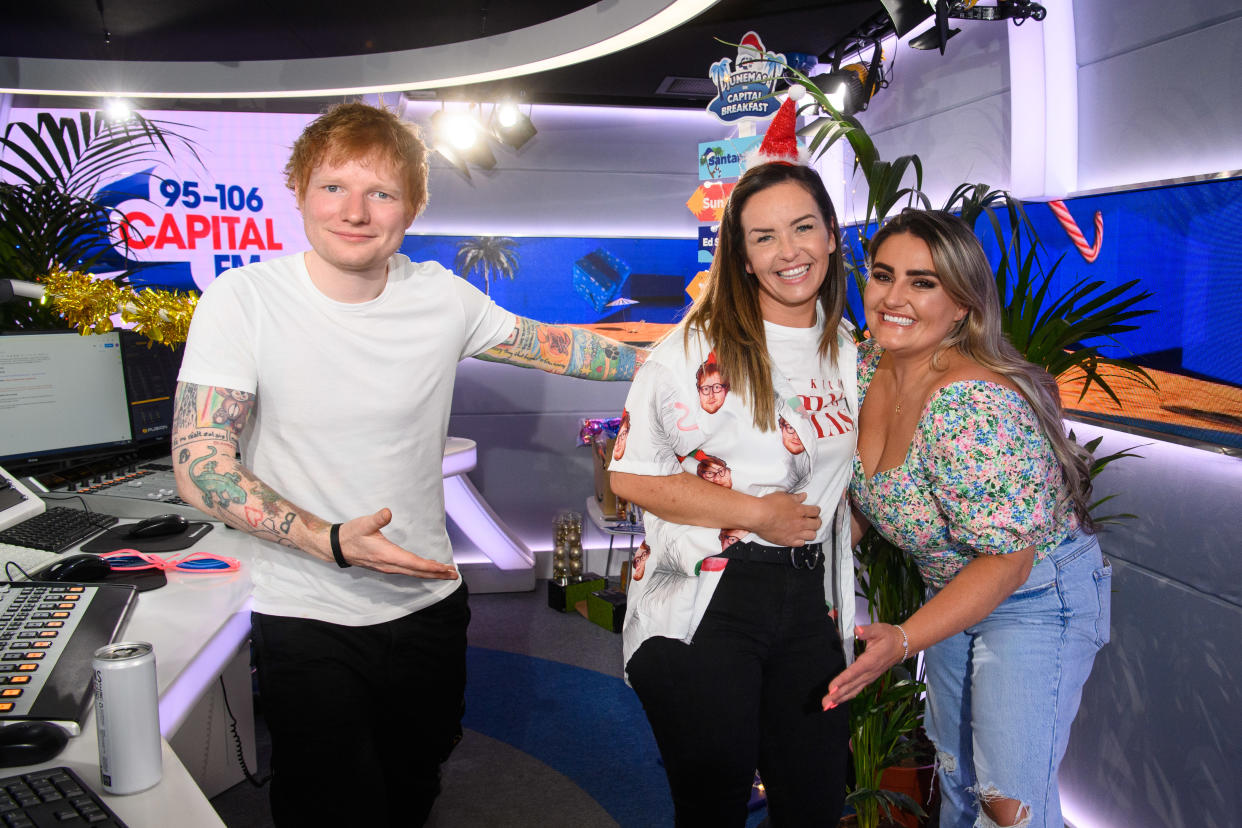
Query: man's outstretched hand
[{"x": 363, "y": 544}]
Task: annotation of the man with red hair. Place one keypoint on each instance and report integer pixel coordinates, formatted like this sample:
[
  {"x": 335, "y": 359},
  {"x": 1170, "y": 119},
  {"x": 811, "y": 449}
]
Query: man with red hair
[{"x": 311, "y": 414}]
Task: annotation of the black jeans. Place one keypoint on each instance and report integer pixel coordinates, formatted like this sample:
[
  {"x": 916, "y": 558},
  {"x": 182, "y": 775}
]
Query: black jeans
[
  {"x": 745, "y": 695},
  {"x": 361, "y": 717}
]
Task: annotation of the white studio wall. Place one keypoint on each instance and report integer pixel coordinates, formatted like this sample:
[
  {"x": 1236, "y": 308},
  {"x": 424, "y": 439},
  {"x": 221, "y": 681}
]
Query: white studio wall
[
  {"x": 1158, "y": 90},
  {"x": 1156, "y": 741},
  {"x": 590, "y": 171}
]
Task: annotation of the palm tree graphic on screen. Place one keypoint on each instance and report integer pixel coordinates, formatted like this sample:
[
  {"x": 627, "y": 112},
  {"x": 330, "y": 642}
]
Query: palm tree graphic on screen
[{"x": 490, "y": 257}]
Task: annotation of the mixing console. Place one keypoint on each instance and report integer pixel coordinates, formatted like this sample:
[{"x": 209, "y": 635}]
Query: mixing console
[{"x": 144, "y": 481}]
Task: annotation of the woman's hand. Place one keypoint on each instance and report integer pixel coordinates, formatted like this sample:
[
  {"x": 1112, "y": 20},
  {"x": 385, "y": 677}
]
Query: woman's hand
[
  {"x": 976, "y": 590},
  {"x": 883, "y": 650},
  {"x": 779, "y": 518},
  {"x": 785, "y": 519}
]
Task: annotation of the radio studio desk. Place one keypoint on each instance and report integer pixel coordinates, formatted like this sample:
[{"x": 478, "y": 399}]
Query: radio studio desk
[{"x": 199, "y": 625}]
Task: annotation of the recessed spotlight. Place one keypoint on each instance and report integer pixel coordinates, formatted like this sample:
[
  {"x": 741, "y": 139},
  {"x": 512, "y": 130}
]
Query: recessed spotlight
[{"x": 118, "y": 109}]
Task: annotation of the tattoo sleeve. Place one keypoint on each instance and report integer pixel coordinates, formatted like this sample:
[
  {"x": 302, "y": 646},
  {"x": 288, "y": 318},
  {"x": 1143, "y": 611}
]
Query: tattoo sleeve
[
  {"x": 206, "y": 427},
  {"x": 562, "y": 349}
]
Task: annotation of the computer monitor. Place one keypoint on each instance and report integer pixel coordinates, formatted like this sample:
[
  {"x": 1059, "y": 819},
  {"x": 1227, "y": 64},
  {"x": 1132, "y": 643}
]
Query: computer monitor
[
  {"x": 150, "y": 382},
  {"x": 61, "y": 395}
]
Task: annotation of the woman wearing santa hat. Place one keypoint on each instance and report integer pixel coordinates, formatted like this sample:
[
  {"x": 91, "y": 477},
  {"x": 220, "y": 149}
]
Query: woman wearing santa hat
[{"x": 731, "y": 649}]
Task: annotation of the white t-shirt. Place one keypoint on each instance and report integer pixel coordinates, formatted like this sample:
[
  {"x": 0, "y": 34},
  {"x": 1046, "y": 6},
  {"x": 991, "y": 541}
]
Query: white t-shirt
[
  {"x": 675, "y": 425},
  {"x": 351, "y": 416}
]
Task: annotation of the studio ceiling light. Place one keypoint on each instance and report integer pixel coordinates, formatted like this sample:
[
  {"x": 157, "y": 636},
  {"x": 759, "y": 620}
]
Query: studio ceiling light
[
  {"x": 118, "y": 109},
  {"x": 908, "y": 15},
  {"x": 510, "y": 126},
  {"x": 460, "y": 138},
  {"x": 846, "y": 88}
]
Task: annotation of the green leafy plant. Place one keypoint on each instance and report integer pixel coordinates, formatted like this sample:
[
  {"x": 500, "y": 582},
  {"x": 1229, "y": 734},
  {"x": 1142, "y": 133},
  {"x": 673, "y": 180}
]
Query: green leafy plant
[
  {"x": 886, "y": 715},
  {"x": 53, "y": 211},
  {"x": 882, "y": 717}
]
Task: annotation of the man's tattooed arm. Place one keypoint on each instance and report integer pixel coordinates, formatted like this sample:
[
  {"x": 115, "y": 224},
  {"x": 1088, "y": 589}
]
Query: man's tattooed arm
[
  {"x": 207, "y": 425},
  {"x": 563, "y": 349}
]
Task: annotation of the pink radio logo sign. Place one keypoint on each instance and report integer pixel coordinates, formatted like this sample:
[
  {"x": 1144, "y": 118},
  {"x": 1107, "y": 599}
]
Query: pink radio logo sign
[
  {"x": 226, "y": 218},
  {"x": 180, "y": 222},
  {"x": 182, "y": 233}
]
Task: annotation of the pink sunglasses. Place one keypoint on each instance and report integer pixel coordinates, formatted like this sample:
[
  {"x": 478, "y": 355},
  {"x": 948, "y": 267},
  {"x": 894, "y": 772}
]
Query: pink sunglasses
[{"x": 131, "y": 560}]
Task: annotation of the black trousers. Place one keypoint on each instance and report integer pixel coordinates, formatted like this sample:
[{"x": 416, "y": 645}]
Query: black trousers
[
  {"x": 745, "y": 695},
  {"x": 361, "y": 717}
]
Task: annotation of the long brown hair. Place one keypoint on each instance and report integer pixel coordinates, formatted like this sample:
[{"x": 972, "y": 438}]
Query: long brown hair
[
  {"x": 727, "y": 310},
  {"x": 963, "y": 270}
]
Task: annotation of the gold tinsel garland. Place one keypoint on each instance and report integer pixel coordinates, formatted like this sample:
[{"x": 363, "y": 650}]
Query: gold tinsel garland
[
  {"x": 88, "y": 304},
  {"x": 161, "y": 315}
]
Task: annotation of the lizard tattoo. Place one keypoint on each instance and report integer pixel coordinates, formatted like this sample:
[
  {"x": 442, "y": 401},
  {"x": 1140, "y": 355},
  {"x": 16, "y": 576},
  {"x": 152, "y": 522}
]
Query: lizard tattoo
[{"x": 223, "y": 486}]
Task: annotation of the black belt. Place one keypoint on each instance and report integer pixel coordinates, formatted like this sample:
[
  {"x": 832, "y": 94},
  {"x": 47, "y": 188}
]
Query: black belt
[{"x": 799, "y": 557}]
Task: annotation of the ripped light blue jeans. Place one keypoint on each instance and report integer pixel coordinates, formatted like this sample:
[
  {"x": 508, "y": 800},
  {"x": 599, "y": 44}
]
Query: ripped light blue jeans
[{"x": 1003, "y": 693}]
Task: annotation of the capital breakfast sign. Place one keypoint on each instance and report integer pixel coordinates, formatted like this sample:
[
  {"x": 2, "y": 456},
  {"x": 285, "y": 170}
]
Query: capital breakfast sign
[
  {"x": 190, "y": 219},
  {"x": 745, "y": 85}
]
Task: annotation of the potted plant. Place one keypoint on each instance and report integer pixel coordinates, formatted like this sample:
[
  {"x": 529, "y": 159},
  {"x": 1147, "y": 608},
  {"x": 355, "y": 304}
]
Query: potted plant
[
  {"x": 886, "y": 717},
  {"x": 55, "y": 210}
]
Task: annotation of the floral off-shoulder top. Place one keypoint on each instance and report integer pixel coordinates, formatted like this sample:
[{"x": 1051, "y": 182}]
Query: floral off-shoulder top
[{"x": 980, "y": 478}]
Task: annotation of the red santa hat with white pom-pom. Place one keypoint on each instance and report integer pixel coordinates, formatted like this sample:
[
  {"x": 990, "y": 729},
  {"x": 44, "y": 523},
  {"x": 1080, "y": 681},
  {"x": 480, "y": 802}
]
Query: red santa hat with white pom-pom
[{"x": 780, "y": 142}]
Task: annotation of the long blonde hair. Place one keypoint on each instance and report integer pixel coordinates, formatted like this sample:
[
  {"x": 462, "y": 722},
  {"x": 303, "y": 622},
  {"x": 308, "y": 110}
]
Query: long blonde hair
[
  {"x": 963, "y": 270},
  {"x": 727, "y": 310}
]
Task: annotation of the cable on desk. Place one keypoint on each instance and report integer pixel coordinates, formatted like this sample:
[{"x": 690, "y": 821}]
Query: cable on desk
[
  {"x": 237, "y": 743},
  {"x": 8, "y": 576}
]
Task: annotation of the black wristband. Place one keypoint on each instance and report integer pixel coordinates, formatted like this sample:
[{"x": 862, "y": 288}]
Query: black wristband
[{"x": 334, "y": 538}]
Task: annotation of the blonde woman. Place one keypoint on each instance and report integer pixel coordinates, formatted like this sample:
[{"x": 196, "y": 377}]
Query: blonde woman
[{"x": 964, "y": 463}]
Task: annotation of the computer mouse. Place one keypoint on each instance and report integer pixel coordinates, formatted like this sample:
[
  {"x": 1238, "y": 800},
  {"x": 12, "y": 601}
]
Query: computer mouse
[
  {"x": 28, "y": 743},
  {"x": 159, "y": 526},
  {"x": 79, "y": 568}
]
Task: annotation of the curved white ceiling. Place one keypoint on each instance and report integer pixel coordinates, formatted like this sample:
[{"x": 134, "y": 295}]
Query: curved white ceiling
[{"x": 606, "y": 27}]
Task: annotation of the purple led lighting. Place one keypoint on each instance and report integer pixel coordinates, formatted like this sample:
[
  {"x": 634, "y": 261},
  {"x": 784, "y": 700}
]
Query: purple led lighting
[
  {"x": 460, "y": 456},
  {"x": 181, "y": 696},
  {"x": 1043, "y": 108},
  {"x": 1078, "y": 816},
  {"x": 483, "y": 526}
]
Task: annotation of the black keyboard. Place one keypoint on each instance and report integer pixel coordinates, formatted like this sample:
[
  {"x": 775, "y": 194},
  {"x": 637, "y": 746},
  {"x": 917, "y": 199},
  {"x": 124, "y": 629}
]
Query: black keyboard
[
  {"x": 53, "y": 798},
  {"x": 57, "y": 529}
]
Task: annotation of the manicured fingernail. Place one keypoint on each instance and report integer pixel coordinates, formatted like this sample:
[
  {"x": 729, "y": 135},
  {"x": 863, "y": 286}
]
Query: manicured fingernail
[{"x": 830, "y": 705}]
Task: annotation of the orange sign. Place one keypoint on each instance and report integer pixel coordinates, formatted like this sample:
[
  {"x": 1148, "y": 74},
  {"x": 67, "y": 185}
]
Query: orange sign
[
  {"x": 708, "y": 200},
  {"x": 696, "y": 285}
]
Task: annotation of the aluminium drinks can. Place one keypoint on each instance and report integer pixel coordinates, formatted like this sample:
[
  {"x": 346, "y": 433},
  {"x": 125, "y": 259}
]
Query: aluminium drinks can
[{"x": 127, "y": 717}]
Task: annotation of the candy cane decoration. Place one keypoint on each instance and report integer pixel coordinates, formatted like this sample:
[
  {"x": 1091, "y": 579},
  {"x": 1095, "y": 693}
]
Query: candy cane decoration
[{"x": 1088, "y": 251}]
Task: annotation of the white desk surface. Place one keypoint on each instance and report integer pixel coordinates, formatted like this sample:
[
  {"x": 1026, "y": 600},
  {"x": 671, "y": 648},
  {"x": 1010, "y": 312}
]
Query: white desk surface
[
  {"x": 194, "y": 624},
  {"x": 182, "y": 621}
]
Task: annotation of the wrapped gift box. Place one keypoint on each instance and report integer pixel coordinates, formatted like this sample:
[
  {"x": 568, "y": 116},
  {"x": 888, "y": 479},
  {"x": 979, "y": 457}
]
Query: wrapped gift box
[
  {"x": 606, "y": 608},
  {"x": 563, "y": 597}
]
